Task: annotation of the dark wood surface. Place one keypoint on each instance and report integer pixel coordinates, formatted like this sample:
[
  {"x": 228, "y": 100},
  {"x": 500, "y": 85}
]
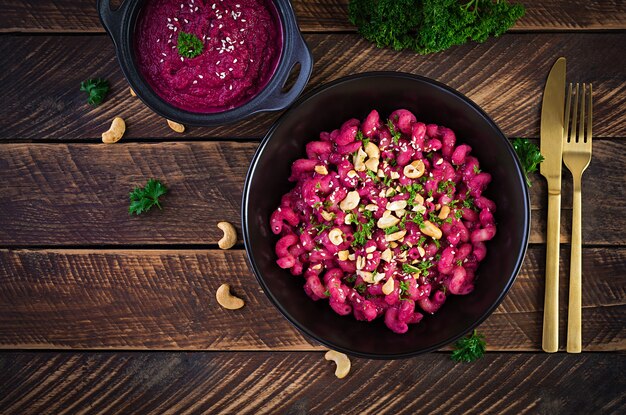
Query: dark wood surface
[
  {"x": 301, "y": 383},
  {"x": 164, "y": 300},
  {"x": 504, "y": 76},
  {"x": 206, "y": 179},
  {"x": 63, "y": 16},
  {"x": 77, "y": 274}
]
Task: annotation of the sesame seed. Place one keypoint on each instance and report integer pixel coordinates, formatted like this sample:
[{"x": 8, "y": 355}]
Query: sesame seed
[
  {"x": 235, "y": 60},
  {"x": 194, "y": 82}
]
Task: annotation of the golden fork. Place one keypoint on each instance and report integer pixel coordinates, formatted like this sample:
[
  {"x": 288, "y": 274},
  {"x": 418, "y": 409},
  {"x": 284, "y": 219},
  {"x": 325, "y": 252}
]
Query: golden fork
[{"x": 576, "y": 156}]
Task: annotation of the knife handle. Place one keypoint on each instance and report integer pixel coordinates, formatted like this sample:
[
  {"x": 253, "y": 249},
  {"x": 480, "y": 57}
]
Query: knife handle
[{"x": 550, "y": 342}]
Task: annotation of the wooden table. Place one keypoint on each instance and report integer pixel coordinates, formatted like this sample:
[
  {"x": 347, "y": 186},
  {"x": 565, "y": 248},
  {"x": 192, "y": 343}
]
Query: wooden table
[{"x": 103, "y": 312}]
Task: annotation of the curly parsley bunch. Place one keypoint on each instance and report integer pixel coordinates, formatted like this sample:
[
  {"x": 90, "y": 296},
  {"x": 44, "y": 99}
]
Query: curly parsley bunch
[{"x": 432, "y": 25}]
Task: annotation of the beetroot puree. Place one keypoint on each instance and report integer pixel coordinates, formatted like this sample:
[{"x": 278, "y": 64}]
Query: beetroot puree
[{"x": 242, "y": 44}]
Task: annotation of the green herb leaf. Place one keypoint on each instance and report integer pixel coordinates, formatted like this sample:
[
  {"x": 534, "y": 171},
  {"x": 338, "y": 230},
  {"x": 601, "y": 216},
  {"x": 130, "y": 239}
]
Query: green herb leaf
[
  {"x": 431, "y": 26},
  {"x": 360, "y": 288},
  {"x": 469, "y": 348},
  {"x": 395, "y": 135},
  {"x": 189, "y": 45},
  {"x": 327, "y": 293},
  {"x": 391, "y": 229},
  {"x": 529, "y": 155},
  {"x": 410, "y": 269},
  {"x": 142, "y": 199},
  {"x": 96, "y": 90}
]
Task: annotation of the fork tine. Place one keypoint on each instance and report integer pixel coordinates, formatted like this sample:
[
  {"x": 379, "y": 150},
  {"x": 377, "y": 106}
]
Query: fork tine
[
  {"x": 567, "y": 111},
  {"x": 580, "y": 138},
  {"x": 589, "y": 116},
  {"x": 575, "y": 114}
]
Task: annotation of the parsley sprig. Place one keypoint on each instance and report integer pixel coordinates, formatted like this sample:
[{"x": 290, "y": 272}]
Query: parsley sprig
[
  {"x": 142, "y": 199},
  {"x": 469, "y": 348},
  {"x": 189, "y": 45},
  {"x": 96, "y": 90},
  {"x": 529, "y": 155}
]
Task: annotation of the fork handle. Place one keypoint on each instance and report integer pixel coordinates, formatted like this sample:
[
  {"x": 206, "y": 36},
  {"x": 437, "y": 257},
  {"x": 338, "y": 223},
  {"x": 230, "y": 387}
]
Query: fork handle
[
  {"x": 550, "y": 341},
  {"x": 574, "y": 318}
]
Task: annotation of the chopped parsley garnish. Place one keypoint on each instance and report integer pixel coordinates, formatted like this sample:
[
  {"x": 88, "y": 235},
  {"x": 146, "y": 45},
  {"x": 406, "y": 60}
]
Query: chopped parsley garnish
[
  {"x": 458, "y": 214},
  {"x": 142, "y": 199},
  {"x": 97, "y": 90},
  {"x": 327, "y": 293},
  {"x": 476, "y": 169},
  {"x": 469, "y": 348},
  {"x": 372, "y": 175},
  {"x": 410, "y": 269},
  {"x": 364, "y": 230},
  {"x": 437, "y": 244},
  {"x": 317, "y": 205},
  {"x": 361, "y": 137},
  {"x": 360, "y": 288},
  {"x": 404, "y": 287},
  {"x": 391, "y": 229},
  {"x": 395, "y": 135},
  {"x": 529, "y": 156},
  {"x": 459, "y": 262},
  {"x": 350, "y": 278},
  {"x": 189, "y": 45},
  {"x": 421, "y": 241}
]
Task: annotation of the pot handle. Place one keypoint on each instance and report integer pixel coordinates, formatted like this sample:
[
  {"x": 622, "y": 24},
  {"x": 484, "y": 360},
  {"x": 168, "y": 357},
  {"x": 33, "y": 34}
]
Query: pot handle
[
  {"x": 278, "y": 99},
  {"x": 112, "y": 19}
]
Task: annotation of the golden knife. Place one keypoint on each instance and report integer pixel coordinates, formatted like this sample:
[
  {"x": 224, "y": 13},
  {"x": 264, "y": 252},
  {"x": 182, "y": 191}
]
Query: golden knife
[{"x": 551, "y": 134}]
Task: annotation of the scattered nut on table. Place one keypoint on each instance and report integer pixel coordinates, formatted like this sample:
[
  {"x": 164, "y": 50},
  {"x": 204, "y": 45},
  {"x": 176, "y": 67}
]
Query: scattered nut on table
[
  {"x": 341, "y": 360},
  {"x": 132, "y": 92},
  {"x": 230, "y": 235},
  {"x": 179, "y": 128},
  {"x": 226, "y": 299},
  {"x": 115, "y": 132}
]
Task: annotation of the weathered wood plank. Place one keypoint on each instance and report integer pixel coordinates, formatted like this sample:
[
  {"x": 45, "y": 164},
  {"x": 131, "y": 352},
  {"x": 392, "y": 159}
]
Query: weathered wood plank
[
  {"x": 84, "y": 299},
  {"x": 77, "y": 194},
  {"x": 505, "y": 76},
  {"x": 303, "y": 383},
  {"x": 313, "y": 15}
]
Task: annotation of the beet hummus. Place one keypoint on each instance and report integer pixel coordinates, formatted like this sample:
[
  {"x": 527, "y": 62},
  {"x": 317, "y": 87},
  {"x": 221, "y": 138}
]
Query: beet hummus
[{"x": 241, "y": 45}]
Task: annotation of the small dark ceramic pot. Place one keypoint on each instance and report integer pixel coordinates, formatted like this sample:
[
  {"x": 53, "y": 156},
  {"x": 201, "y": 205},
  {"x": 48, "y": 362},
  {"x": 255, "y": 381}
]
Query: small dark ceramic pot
[
  {"x": 325, "y": 109},
  {"x": 120, "y": 25}
]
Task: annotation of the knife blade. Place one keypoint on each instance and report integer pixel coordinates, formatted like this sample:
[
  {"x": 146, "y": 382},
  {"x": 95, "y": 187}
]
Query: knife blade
[{"x": 551, "y": 138}]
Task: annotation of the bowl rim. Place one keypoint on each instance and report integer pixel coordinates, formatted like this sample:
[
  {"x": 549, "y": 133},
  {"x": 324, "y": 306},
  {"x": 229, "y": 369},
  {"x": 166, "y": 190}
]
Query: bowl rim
[{"x": 251, "y": 171}]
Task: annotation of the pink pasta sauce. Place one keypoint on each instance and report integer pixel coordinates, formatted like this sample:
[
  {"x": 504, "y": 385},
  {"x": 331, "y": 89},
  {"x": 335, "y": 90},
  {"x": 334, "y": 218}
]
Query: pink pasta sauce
[{"x": 385, "y": 219}]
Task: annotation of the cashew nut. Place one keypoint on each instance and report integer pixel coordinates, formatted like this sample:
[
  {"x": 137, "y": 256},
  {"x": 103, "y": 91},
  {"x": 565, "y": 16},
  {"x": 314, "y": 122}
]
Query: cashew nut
[
  {"x": 335, "y": 236},
  {"x": 366, "y": 276},
  {"x": 321, "y": 170},
  {"x": 351, "y": 174},
  {"x": 394, "y": 175},
  {"x": 370, "y": 249},
  {"x": 387, "y": 222},
  {"x": 444, "y": 212},
  {"x": 371, "y": 207},
  {"x": 179, "y": 128},
  {"x": 415, "y": 169},
  {"x": 327, "y": 215},
  {"x": 395, "y": 236},
  {"x": 341, "y": 360},
  {"x": 430, "y": 229},
  {"x": 421, "y": 251},
  {"x": 359, "y": 160},
  {"x": 132, "y": 93},
  {"x": 400, "y": 213},
  {"x": 397, "y": 205},
  {"x": 372, "y": 164},
  {"x": 115, "y": 132},
  {"x": 388, "y": 287},
  {"x": 343, "y": 255},
  {"x": 230, "y": 235},
  {"x": 387, "y": 255},
  {"x": 372, "y": 150},
  {"x": 226, "y": 299},
  {"x": 351, "y": 201},
  {"x": 360, "y": 262}
]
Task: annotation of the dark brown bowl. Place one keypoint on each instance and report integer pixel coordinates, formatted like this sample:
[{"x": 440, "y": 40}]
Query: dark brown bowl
[
  {"x": 326, "y": 108},
  {"x": 120, "y": 25}
]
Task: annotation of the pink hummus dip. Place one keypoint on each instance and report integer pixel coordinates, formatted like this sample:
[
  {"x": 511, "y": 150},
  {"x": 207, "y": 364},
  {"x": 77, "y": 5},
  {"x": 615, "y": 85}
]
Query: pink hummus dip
[{"x": 242, "y": 44}]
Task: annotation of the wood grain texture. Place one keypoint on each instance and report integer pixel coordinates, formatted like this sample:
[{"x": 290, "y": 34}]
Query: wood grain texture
[
  {"x": 505, "y": 76},
  {"x": 303, "y": 383},
  {"x": 77, "y": 194},
  {"x": 313, "y": 15},
  {"x": 151, "y": 299}
]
